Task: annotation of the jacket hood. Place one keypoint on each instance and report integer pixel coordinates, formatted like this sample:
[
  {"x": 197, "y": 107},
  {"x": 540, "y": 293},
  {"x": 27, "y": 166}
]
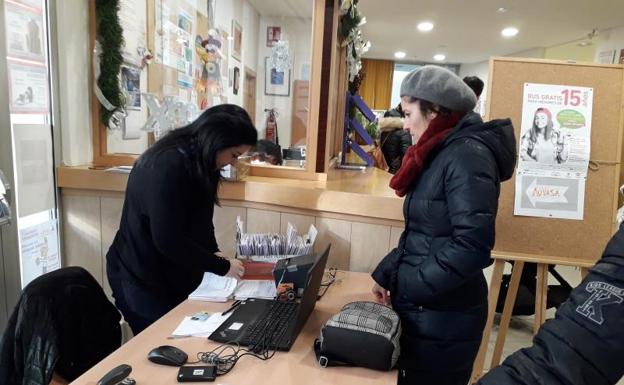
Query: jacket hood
[
  {"x": 498, "y": 135},
  {"x": 390, "y": 123}
]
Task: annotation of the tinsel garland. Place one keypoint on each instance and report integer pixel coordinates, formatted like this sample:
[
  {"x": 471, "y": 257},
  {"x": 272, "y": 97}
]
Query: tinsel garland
[
  {"x": 110, "y": 37},
  {"x": 350, "y": 36}
]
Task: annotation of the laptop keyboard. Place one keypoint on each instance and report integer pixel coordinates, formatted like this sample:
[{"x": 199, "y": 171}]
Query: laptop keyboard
[{"x": 271, "y": 326}]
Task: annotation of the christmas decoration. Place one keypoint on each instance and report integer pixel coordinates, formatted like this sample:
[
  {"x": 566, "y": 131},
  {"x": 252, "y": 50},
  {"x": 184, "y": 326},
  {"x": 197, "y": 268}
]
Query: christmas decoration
[
  {"x": 108, "y": 53},
  {"x": 351, "y": 37}
]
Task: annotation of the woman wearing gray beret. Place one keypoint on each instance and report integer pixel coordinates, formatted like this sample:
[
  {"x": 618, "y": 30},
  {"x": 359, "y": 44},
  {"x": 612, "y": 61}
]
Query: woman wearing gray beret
[{"x": 451, "y": 182}]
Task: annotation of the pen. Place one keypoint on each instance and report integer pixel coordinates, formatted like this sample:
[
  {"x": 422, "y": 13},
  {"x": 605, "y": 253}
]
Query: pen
[{"x": 234, "y": 305}]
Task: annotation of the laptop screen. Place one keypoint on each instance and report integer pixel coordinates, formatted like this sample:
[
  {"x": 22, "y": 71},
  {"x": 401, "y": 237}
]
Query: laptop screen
[{"x": 310, "y": 293}]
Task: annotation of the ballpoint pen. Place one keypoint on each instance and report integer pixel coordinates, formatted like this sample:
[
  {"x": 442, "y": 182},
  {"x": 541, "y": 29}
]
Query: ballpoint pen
[{"x": 234, "y": 305}]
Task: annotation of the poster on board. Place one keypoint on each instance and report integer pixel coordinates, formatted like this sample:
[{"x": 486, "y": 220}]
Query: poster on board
[
  {"x": 25, "y": 33},
  {"x": 554, "y": 150},
  {"x": 28, "y": 88},
  {"x": 39, "y": 250}
]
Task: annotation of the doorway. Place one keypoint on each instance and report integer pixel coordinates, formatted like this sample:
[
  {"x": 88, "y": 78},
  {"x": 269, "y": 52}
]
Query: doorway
[{"x": 249, "y": 93}]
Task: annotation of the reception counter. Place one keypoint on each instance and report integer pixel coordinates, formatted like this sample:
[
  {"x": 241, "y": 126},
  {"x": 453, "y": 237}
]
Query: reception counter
[{"x": 355, "y": 211}]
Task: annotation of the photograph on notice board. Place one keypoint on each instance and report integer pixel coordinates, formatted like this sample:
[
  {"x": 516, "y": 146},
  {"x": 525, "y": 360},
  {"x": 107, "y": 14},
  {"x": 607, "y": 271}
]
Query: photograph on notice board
[
  {"x": 554, "y": 148},
  {"x": 131, "y": 86},
  {"x": 273, "y": 35},
  {"x": 24, "y": 33},
  {"x": 276, "y": 83}
]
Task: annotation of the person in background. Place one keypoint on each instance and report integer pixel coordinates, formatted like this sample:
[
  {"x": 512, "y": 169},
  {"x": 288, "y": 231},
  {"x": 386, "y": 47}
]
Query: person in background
[
  {"x": 451, "y": 183},
  {"x": 394, "y": 141},
  {"x": 475, "y": 84},
  {"x": 166, "y": 239},
  {"x": 266, "y": 151}
]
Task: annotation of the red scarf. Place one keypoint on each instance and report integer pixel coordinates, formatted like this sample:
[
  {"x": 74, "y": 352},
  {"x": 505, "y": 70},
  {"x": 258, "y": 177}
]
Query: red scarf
[{"x": 415, "y": 157}]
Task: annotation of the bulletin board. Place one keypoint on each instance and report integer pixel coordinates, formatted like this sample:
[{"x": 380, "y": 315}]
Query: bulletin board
[{"x": 558, "y": 241}]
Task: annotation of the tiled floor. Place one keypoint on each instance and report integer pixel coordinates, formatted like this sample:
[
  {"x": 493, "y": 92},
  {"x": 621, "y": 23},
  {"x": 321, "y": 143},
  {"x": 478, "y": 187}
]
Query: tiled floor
[{"x": 520, "y": 331}]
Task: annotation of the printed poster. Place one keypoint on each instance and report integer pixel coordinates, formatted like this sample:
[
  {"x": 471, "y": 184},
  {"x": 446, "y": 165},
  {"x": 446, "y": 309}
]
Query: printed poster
[
  {"x": 554, "y": 149},
  {"x": 25, "y": 33},
  {"x": 28, "y": 88},
  {"x": 39, "y": 250}
]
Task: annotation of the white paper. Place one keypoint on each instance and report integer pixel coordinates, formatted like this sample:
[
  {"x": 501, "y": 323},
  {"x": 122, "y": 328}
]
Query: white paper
[
  {"x": 28, "y": 86},
  {"x": 196, "y": 328},
  {"x": 554, "y": 151},
  {"x": 39, "y": 250},
  {"x": 214, "y": 288},
  {"x": 255, "y": 289}
]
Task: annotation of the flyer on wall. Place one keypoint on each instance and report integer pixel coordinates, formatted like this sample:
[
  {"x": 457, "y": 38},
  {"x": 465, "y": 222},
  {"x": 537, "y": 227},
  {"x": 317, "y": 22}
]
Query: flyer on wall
[
  {"x": 554, "y": 150},
  {"x": 25, "y": 33},
  {"x": 28, "y": 88},
  {"x": 39, "y": 250}
]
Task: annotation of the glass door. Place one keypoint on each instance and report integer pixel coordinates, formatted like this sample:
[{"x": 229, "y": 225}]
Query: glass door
[{"x": 27, "y": 150}]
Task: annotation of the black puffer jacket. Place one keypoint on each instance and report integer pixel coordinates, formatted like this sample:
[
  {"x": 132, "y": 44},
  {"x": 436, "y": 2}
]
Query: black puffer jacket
[
  {"x": 63, "y": 322},
  {"x": 394, "y": 142},
  {"x": 435, "y": 274},
  {"x": 584, "y": 344}
]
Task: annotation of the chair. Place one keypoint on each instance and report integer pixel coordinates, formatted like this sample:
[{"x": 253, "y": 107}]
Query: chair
[{"x": 62, "y": 325}]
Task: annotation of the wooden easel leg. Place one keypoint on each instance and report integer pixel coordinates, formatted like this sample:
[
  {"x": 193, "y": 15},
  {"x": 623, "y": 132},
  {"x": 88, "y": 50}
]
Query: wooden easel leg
[
  {"x": 584, "y": 272},
  {"x": 510, "y": 300},
  {"x": 541, "y": 291},
  {"x": 497, "y": 277}
]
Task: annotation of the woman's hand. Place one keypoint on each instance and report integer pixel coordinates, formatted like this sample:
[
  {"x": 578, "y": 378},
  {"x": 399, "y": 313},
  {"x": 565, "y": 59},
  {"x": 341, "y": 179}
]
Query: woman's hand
[
  {"x": 382, "y": 295},
  {"x": 237, "y": 270}
]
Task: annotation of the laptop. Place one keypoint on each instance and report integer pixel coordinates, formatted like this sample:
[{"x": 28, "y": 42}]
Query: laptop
[{"x": 265, "y": 324}]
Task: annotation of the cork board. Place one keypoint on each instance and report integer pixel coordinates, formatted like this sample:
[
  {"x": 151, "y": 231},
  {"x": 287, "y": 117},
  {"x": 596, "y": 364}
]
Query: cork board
[{"x": 558, "y": 241}]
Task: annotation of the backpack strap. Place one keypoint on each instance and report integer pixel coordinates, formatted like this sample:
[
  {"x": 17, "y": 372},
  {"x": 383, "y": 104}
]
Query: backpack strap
[{"x": 325, "y": 360}]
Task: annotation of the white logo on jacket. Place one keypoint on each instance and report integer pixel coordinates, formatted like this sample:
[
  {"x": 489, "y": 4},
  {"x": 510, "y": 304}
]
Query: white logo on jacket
[{"x": 602, "y": 294}]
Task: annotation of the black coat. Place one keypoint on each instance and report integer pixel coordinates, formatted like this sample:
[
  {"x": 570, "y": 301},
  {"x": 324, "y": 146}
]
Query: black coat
[
  {"x": 63, "y": 322},
  {"x": 165, "y": 240},
  {"x": 435, "y": 274},
  {"x": 584, "y": 344},
  {"x": 394, "y": 142}
]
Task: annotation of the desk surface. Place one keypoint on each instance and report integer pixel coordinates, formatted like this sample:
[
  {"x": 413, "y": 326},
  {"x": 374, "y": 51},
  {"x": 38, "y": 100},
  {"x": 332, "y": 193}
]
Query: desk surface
[{"x": 298, "y": 366}]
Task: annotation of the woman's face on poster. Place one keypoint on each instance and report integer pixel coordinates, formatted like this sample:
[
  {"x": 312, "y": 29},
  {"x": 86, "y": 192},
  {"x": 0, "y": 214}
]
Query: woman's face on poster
[{"x": 541, "y": 120}]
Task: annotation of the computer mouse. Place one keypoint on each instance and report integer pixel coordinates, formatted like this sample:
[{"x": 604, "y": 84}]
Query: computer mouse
[{"x": 167, "y": 355}]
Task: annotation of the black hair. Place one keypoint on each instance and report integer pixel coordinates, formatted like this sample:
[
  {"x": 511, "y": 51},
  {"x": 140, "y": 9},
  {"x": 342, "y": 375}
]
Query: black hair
[
  {"x": 475, "y": 84},
  {"x": 396, "y": 112},
  {"x": 217, "y": 128},
  {"x": 269, "y": 148},
  {"x": 426, "y": 107}
]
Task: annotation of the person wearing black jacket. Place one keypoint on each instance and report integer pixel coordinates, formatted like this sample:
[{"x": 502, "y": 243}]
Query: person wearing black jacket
[
  {"x": 166, "y": 239},
  {"x": 584, "y": 343},
  {"x": 394, "y": 141},
  {"x": 451, "y": 183}
]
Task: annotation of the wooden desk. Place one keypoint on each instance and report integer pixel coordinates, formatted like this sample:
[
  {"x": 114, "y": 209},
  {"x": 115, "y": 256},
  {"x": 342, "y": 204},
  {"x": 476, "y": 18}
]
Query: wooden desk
[{"x": 298, "y": 366}]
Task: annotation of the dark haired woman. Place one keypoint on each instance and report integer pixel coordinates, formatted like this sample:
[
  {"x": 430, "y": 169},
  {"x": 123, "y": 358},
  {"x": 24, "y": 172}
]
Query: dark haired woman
[
  {"x": 166, "y": 240},
  {"x": 451, "y": 182}
]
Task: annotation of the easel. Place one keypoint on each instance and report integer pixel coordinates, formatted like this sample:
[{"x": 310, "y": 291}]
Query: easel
[
  {"x": 541, "y": 291},
  {"x": 549, "y": 241}
]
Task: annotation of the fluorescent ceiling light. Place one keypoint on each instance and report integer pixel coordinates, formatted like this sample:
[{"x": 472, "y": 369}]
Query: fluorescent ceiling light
[
  {"x": 439, "y": 57},
  {"x": 501, "y": 10},
  {"x": 509, "y": 32},
  {"x": 425, "y": 26},
  {"x": 399, "y": 54}
]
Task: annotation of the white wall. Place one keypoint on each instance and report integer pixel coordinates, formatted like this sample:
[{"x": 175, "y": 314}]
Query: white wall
[
  {"x": 298, "y": 32},
  {"x": 612, "y": 39},
  {"x": 74, "y": 121}
]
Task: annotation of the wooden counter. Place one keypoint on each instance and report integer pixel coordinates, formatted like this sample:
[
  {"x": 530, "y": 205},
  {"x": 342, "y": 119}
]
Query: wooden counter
[
  {"x": 362, "y": 193},
  {"x": 298, "y": 366},
  {"x": 355, "y": 211}
]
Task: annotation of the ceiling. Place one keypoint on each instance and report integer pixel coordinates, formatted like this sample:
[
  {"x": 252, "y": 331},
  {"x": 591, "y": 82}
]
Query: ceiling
[
  {"x": 283, "y": 8},
  {"x": 468, "y": 31}
]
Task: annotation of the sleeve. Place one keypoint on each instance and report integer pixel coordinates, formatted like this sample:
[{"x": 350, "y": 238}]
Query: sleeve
[
  {"x": 386, "y": 271},
  {"x": 472, "y": 189},
  {"x": 166, "y": 206}
]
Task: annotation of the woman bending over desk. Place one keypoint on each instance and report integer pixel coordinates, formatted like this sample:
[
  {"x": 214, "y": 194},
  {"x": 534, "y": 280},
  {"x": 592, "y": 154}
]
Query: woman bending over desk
[{"x": 166, "y": 239}]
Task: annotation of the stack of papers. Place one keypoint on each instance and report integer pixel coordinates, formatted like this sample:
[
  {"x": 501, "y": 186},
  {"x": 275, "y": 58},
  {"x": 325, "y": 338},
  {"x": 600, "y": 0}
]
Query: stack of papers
[
  {"x": 255, "y": 289},
  {"x": 215, "y": 288}
]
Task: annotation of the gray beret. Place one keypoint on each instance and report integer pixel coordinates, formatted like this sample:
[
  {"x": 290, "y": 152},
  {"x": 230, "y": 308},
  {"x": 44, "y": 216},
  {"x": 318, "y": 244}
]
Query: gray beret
[{"x": 439, "y": 86}]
